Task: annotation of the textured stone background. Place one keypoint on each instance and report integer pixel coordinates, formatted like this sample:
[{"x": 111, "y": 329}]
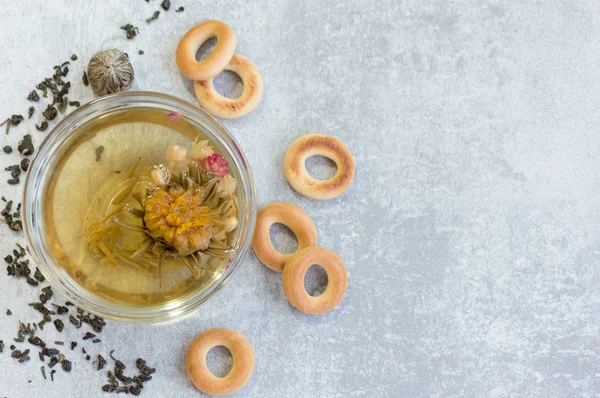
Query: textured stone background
[{"x": 470, "y": 233}]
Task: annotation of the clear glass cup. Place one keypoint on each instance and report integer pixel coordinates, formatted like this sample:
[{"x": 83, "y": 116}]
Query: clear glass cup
[{"x": 58, "y": 142}]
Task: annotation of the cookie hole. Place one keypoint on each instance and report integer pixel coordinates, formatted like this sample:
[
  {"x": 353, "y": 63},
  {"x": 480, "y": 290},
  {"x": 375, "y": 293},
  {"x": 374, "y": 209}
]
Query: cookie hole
[
  {"x": 229, "y": 84},
  {"x": 219, "y": 361},
  {"x": 206, "y": 49},
  {"x": 320, "y": 167},
  {"x": 283, "y": 239},
  {"x": 315, "y": 280}
]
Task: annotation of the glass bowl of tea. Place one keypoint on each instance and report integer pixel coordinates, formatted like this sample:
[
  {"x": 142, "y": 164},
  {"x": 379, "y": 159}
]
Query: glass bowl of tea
[{"x": 139, "y": 207}]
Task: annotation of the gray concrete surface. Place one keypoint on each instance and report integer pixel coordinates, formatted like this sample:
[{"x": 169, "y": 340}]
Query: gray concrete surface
[{"x": 470, "y": 232}]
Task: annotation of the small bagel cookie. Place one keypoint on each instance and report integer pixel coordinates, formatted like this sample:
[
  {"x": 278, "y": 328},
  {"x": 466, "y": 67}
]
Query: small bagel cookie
[
  {"x": 292, "y": 217},
  {"x": 243, "y": 361},
  {"x": 294, "y": 166},
  {"x": 218, "y": 59},
  {"x": 228, "y": 108},
  {"x": 293, "y": 280}
]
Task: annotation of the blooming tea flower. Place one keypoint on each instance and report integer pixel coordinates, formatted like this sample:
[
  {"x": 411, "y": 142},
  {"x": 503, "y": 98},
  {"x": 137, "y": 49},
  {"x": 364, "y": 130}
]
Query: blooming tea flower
[{"x": 216, "y": 165}]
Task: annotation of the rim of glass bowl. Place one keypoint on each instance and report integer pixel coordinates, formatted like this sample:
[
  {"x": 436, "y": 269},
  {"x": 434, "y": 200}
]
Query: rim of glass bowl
[{"x": 35, "y": 184}]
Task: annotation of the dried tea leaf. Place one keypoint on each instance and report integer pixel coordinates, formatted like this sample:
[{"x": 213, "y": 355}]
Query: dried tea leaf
[
  {"x": 131, "y": 32},
  {"x": 99, "y": 151},
  {"x": 25, "y": 147},
  {"x": 153, "y": 17},
  {"x": 33, "y": 96},
  {"x": 50, "y": 112},
  {"x": 43, "y": 126}
]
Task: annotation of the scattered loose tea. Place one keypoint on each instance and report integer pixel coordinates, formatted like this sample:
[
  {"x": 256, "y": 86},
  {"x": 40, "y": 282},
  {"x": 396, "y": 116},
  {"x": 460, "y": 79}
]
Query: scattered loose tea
[
  {"x": 8, "y": 312},
  {"x": 12, "y": 121},
  {"x": 101, "y": 362},
  {"x": 96, "y": 341},
  {"x": 42, "y": 309},
  {"x": 43, "y": 368},
  {"x": 59, "y": 342},
  {"x": 166, "y": 4},
  {"x": 60, "y": 309},
  {"x": 43, "y": 126},
  {"x": 74, "y": 321},
  {"x": 15, "y": 170},
  {"x": 130, "y": 30},
  {"x": 25, "y": 146},
  {"x": 116, "y": 375},
  {"x": 76, "y": 104},
  {"x": 73, "y": 57},
  {"x": 21, "y": 356},
  {"x": 53, "y": 362},
  {"x": 73, "y": 345},
  {"x": 66, "y": 365},
  {"x": 31, "y": 110},
  {"x": 15, "y": 225},
  {"x": 141, "y": 52},
  {"x": 7, "y": 122},
  {"x": 62, "y": 105},
  {"x": 7, "y": 149},
  {"x": 87, "y": 357},
  {"x": 88, "y": 336},
  {"x": 59, "y": 325},
  {"x": 36, "y": 341},
  {"x": 85, "y": 79},
  {"x": 52, "y": 374},
  {"x": 38, "y": 275},
  {"x": 25, "y": 164},
  {"x": 110, "y": 72},
  {"x": 46, "y": 295},
  {"x": 16, "y": 119},
  {"x": 33, "y": 96},
  {"x": 180, "y": 9},
  {"x": 99, "y": 152},
  {"x": 44, "y": 321},
  {"x": 109, "y": 388},
  {"x": 94, "y": 321},
  {"x": 50, "y": 112},
  {"x": 153, "y": 17},
  {"x": 1, "y": 345}
]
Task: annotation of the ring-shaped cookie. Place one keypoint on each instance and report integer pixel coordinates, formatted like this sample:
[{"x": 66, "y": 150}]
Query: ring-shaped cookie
[
  {"x": 292, "y": 217},
  {"x": 295, "y": 271},
  {"x": 218, "y": 59},
  {"x": 243, "y": 361},
  {"x": 228, "y": 108},
  {"x": 318, "y": 144}
]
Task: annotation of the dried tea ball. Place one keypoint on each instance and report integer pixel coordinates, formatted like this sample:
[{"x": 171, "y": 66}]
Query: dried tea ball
[
  {"x": 25, "y": 146},
  {"x": 110, "y": 72}
]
